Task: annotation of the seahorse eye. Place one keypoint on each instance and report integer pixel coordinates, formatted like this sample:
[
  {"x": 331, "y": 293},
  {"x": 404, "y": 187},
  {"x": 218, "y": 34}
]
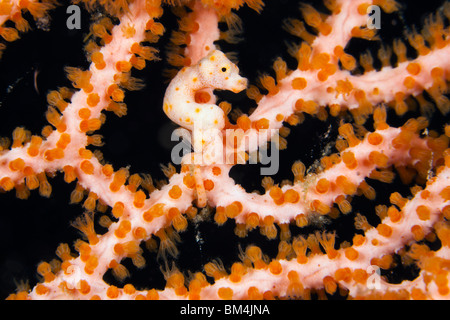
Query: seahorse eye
[{"x": 224, "y": 69}]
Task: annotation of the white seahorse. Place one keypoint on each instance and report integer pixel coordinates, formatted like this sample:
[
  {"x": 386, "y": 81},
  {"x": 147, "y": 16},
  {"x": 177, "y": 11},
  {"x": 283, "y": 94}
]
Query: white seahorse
[{"x": 215, "y": 71}]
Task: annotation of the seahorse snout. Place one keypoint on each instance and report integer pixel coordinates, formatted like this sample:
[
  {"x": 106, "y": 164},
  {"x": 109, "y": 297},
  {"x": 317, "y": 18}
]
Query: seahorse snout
[{"x": 241, "y": 84}]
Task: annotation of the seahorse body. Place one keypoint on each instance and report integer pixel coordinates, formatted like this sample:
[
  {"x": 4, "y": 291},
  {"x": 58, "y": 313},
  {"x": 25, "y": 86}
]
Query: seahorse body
[{"x": 215, "y": 71}]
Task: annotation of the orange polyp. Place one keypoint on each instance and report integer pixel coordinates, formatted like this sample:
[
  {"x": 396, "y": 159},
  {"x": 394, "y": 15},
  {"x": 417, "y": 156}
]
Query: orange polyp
[
  {"x": 351, "y": 254},
  {"x": 117, "y": 210},
  {"x": 347, "y": 132},
  {"x": 398, "y": 200},
  {"x": 17, "y": 164},
  {"x": 53, "y": 117},
  {"x": 343, "y": 274},
  {"x": 280, "y": 118},
  {"x": 220, "y": 217},
  {"x": 358, "y": 240},
  {"x": 409, "y": 82},
  {"x": 63, "y": 141},
  {"x": 32, "y": 182},
  {"x": 400, "y": 106},
  {"x": 375, "y": 138},
  {"x": 394, "y": 214},
  {"x": 87, "y": 167},
  {"x": 343, "y": 204},
  {"x": 119, "y": 250},
  {"x": 269, "y": 84},
  {"x": 423, "y": 212},
  {"x": 97, "y": 59},
  {"x": 254, "y": 293},
  {"x": 86, "y": 225},
  {"x": 56, "y": 98},
  {"x": 93, "y": 99},
  {"x": 179, "y": 222},
  {"x": 44, "y": 269},
  {"x": 275, "y": 267},
  {"x": 438, "y": 74},
  {"x": 345, "y": 185},
  {"x": 365, "y": 107},
  {"x": 322, "y": 75},
  {"x": 309, "y": 107},
  {"x": 379, "y": 159},
  {"x": 225, "y": 293},
  {"x": 175, "y": 192},
  {"x": 320, "y": 207},
  {"x": 367, "y": 190},
  {"x": 129, "y": 289},
  {"x": 299, "y": 83},
  {"x": 123, "y": 229},
  {"x": 139, "y": 199},
  {"x": 134, "y": 182},
  {"x": 112, "y": 292},
  {"x": 123, "y": 66},
  {"x": 268, "y": 228},
  {"x": 176, "y": 280},
  {"x": 252, "y": 220},
  {"x": 445, "y": 193},
  {"x": 35, "y": 143},
  {"x": 85, "y": 153},
  {"x": 42, "y": 289},
  {"x": 291, "y": 196},
  {"x": 349, "y": 160},
  {"x": 232, "y": 210},
  {"x": 237, "y": 271},
  {"x": 107, "y": 170},
  {"x": 301, "y": 220},
  {"x": 90, "y": 125},
  {"x": 90, "y": 203},
  {"x": 322, "y": 185},
  {"x": 418, "y": 233},
  {"x": 254, "y": 254},
  {"x": 139, "y": 233},
  {"x": 295, "y": 288},
  {"x": 276, "y": 193},
  {"x": 335, "y": 109},
  {"x": 172, "y": 213},
  {"x": 329, "y": 284},
  {"x": 360, "y": 276},
  {"x": 348, "y": 62},
  {"x": 379, "y": 117},
  {"x": 320, "y": 60},
  {"x": 84, "y": 113},
  {"x": 262, "y": 124},
  {"x": 84, "y": 249},
  {"x": 244, "y": 122},
  {"x": 91, "y": 264},
  {"x": 117, "y": 95},
  {"x": 155, "y": 211},
  {"x": 118, "y": 180},
  {"x": 53, "y": 154},
  {"x": 384, "y": 230}
]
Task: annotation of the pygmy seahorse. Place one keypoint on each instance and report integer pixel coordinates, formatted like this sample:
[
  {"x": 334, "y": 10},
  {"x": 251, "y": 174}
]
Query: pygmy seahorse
[
  {"x": 215, "y": 71},
  {"x": 204, "y": 120}
]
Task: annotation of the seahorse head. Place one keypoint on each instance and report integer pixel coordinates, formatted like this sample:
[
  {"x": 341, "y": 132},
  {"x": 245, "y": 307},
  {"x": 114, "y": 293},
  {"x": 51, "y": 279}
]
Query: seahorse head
[{"x": 219, "y": 72}]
